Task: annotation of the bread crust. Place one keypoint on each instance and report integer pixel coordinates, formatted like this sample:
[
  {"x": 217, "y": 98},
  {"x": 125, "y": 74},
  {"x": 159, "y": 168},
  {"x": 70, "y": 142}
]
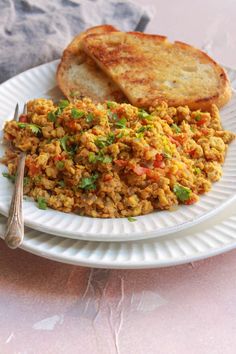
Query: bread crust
[
  {"x": 143, "y": 66},
  {"x": 79, "y": 76}
]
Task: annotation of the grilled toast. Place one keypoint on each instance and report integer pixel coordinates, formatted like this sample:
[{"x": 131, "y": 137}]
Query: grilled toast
[
  {"x": 79, "y": 76},
  {"x": 149, "y": 69}
]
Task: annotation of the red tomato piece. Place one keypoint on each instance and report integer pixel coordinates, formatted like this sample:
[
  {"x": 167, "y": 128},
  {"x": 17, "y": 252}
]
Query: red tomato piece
[
  {"x": 121, "y": 163},
  {"x": 33, "y": 170},
  {"x": 158, "y": 161},
  {"x": 191, "y": 152},
  {"x": 190, "y": 201},
  {"x": 107, "y": 178},
  {"x": 9, "y": 136},
  {"x": 71, "y": 124},
  {"x": 139, "y": 170},
  {"x": 201, "y": 121},
  {"x": 174, "y": 141},
  {"x": 154, "y": 175},
  {"x": 204, "y": 131},
  {"x": 180, "y": 138},
  {"x": 120, "y": 112},
  {"x": 58, "y": 158},
  {"x": 23, "y": 118}
]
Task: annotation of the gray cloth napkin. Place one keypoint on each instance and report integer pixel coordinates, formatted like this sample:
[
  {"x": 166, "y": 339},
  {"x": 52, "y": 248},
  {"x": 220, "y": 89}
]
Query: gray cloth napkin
[{"x": 33, "y": 32}]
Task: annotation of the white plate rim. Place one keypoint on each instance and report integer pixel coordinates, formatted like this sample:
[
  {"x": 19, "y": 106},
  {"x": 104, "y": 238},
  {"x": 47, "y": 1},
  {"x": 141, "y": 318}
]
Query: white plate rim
[
  {"x": 218, "y": 237},
  {"x": 106, "y": 236}
]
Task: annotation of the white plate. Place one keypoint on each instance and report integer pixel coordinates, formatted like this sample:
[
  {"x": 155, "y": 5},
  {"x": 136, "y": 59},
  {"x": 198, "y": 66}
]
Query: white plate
[
  {"x": 212, "y": 237},
  {"x": 40, "y": 82}
]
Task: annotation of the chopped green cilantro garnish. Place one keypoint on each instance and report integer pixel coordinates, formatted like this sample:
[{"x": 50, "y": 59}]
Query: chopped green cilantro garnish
[
  {"x": 33, "y": 127},
  {"x": 103, "y": 141},
  {"x": 88, "y": 183},
  {"x": 111, "y": 104},
  {"x": 8, "y": 176},
  {"x": 141, "y": 130},
  {"x": 166, "y": 155},
  {"x": 73, "y": 149},
  {"x": 26, "y": 181},
  {"x": 144, "y": 128},
  {"x": 63, "y": 142},
  {"x": 42, "y": 204},
  {"x": 112, "y": 115},
  {"x": 89, "y": 118},
  {"x": 181, "y": 192},
  {"x": 75, "y": 113},
  {"x": 60, "y": 165},
  {"x": 198, "y": 118},
  {"x": 52, "y": 117},
  {"x": 12, "y": 178},
  {"x": 61, "y": 183},
  {"x": 120, "y": 135},
  {"x": 143, "y": 114},
  {"x": 92, "y": 157},
  {"x": 121, "y": 123},
  {"x": 197, "y": 170},
  {"x": 37, "y": 179},
  {"x": 131, "y": 219},
  {"x": 63, "y": 104},
  {"x": 175, "y": 128},
  {"x": 100, "y": 157},
  {"x": 106, "y": 159},
  {"x": 149, "y": 117},
  {"x": 139, "y": 135},
  {"x": 110, "y": 138},
  {"x": 58, "y": 112}
]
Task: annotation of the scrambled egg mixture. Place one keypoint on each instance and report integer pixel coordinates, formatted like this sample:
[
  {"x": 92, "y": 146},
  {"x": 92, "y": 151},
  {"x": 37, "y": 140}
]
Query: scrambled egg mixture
[{"x": 115, "y": 160}]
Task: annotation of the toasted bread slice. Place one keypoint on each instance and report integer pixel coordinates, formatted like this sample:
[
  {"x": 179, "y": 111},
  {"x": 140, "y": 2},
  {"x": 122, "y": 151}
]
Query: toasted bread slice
[
  {"x": 149, "y": 69},
  {"x": 79, "y": 76}
]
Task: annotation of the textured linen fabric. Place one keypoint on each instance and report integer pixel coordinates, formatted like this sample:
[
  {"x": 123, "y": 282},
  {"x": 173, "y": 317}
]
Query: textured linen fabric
[{"x": 33, "y": 32}]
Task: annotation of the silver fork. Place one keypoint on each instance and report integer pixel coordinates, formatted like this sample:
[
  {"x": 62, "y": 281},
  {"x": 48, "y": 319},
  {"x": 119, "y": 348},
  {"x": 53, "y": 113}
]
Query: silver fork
[{"x": 14, "y": 233}]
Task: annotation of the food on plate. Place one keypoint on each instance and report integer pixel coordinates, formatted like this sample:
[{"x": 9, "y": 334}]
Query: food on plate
[
  {"x": 79, "y": 76},
  {"x": 116, "y": 160},
  {"x": 149, "y": 69}
]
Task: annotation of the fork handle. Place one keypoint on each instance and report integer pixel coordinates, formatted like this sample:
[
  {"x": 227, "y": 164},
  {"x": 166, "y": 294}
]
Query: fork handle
[{"x": 14, "y": 233}]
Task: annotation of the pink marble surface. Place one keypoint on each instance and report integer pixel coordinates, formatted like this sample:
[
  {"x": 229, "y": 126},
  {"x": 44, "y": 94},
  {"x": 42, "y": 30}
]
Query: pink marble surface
[
  {"x": 208, "y": 24},
  {"x": 48, "y": 307}
]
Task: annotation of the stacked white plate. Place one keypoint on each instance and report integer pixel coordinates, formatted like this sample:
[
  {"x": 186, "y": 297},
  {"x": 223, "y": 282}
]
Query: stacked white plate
[{"x": 154, "y": 240}]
